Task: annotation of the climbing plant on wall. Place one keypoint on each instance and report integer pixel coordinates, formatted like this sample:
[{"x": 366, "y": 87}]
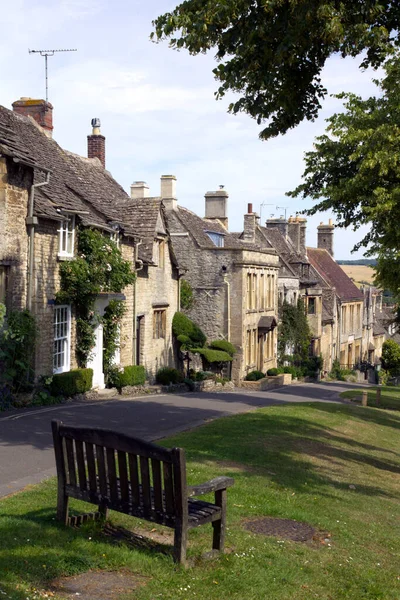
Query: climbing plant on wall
[
  {"x": 294, "y": 336},
  {"x": 98, "y": 267}
]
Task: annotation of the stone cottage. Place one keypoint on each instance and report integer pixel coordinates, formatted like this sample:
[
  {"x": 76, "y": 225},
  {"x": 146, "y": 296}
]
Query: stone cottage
[
  {"x": 46, "y": 195},
  {"x": 234, "y": 282}
]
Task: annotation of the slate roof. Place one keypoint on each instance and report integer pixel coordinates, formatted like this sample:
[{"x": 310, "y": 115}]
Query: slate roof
[
  {"x": 141, "y": 216},
  {"x": 333, "y": 274},
  {"x": 76, "y": 183}
]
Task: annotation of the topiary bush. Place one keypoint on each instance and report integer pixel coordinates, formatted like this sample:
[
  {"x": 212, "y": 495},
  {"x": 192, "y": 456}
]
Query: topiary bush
[
  {"x": 77, "y": 381},
  {"x": 131, "y": 375},
  {"x": 224, "y": 346},
  {"x": 182, "y": 325},
  {"x": 167, "y": 375},
  {"x": 213, "y": 356},
  {"x": 273, "y": 372},
  {"x": 254, "y": 376}
]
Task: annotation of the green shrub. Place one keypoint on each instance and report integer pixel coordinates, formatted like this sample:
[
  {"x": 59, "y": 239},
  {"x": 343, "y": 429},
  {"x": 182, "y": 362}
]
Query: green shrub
[
  {"x": 73, "y": 382},
  {"x": 182, "y": 325},
  {"x": 132, "y": 375},
  {"x": 213, "y": 356},
  {"x": 224, "y": 346},
  {"x": 190, "y": 383},
  {"x": 254, "y": 376},
  {"x": 17, "y": 349},
  {"x": 273, "y": 372},
  {"x": 187, "y": 299},
  {"x": 293, "y": 371},
  {"x": 167, "y": 375}
]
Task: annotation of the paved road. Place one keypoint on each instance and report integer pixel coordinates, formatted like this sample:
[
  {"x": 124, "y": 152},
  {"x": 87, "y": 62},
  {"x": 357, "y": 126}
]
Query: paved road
[{"x": 26, "y": 454}]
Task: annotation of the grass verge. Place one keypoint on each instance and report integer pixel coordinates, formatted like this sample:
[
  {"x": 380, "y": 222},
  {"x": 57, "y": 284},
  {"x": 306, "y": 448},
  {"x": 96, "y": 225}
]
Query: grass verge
[
  {"x": 335, "y": 467},
  {"x": 390, "y": 396}
]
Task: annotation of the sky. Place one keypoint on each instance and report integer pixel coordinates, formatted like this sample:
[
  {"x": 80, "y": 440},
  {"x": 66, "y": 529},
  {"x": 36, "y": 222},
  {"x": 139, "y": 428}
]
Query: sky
[{"x": 157, "y": 107}]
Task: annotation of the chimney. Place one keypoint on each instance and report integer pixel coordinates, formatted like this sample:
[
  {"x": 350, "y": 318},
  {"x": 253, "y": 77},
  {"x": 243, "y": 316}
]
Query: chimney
[
  {"x": 280, "y": 224},
  {"x": 325, "y": 236},
  {"x": 216, "y": 206},
  {"x": 303, "y": 235},
  {"x": 168, "y": 192},
  {"x": 40, "y": 110},
  {"x": 97, "y": 143},
  {"x": 249, "y": 226},
  {"x": 294, "y": 232},
  {"x": 139, "y": 189}
]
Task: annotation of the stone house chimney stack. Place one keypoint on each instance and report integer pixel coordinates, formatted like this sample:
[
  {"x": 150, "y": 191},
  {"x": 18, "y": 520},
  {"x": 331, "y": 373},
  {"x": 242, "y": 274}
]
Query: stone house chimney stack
[
  {"x": 280, "y": 224},
  {"x": 217, "y": 205},
  {"x": 249, "y": 225},
  {"x": 139, "y": 189},
  {"x": 294, "y": 232},
  {"x": 97, "y": 143},
  {"x": 303, "y": 235},
  {"x": 168, "y": 192},
  {"x": 40, "y": 110},
  {"x": 325, "y": 236}
]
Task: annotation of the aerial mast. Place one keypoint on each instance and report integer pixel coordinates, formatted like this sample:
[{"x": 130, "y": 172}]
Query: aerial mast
[{"x": 47, "y": 53}]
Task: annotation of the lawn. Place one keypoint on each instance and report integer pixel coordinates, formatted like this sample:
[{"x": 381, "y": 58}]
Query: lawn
[
  {"x": 390, "y": 396},
  {"x": 333, "y": 466}
]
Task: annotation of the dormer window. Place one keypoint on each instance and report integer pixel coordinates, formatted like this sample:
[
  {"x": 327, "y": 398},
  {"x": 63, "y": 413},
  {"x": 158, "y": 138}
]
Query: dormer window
[
  {"x": 216, "y": 238},
  {"x": 66, "y": 237}
]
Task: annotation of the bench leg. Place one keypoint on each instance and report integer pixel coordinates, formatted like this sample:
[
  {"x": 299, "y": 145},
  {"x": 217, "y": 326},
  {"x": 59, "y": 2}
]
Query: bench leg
[
  {"x": 220, "y": 526},
  {"x": 62, "y": 507},
  {"x": 180, "y": 543}
]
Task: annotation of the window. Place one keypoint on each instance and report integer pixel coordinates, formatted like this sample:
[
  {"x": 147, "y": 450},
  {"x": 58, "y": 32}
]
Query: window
[
  {"x": 249, "y": 290},
  {"x": 311, "y": 306},
  {"x": 160, "y": 253},
  {"x": 254, "y": 292},
  {"x": 248, "y": 347},
  {"x": 344, "y": 315},
  {"x": 254, "y": 347},
  {"x": 352, "y": 325},
  {"x": 359, "y": 316},
  {"x": 216, "y": 238},
  {"x": 3, "y": 284},
  {"x": 62, "y": 334},
  {"x": 114, "y": 236},
  {"x": 66, "y": 235},
  {"x": 261, "y": 292},
  {"x": 159, "y": 324}
]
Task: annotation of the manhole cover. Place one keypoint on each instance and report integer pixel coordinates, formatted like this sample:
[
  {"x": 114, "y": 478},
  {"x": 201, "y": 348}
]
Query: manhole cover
[
  {"x": 282, "y": 528},
  {"x": 96, "y": 585}
]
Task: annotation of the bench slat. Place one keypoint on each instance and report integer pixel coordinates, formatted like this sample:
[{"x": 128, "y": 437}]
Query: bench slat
[
  {"x": 123, "y": 476},
  {"x": 118, "y": 441},
  {"x": 157, "y": 485},
  {"x": 69, "y": 448},
  {"x": 134, "y": 479},
  {"x": 112, "y": 475},
  {"x": 168, "y": 489},
  {"x": 145, "y": 477},
  {"x": 80, "y": 459},
  {"x": 101, "y": 467},
  {"x": 91, "y": 467}
]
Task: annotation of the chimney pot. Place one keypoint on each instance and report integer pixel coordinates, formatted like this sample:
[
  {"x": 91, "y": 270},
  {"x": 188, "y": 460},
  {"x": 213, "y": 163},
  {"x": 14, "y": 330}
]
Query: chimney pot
[
  {"x": 40, "y": 110},
  {"x": 249, "y": 209}
]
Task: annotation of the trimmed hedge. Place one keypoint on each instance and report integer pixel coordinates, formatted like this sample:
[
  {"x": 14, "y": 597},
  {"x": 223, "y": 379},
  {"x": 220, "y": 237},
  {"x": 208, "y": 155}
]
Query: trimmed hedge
[
  {"x": 132, "y": 375},
  {"x": 213, "y": 356},
  {"x": 254, "y": 376},
  {"x": 182, "y": 325},
  {"x": 224, "y": 346},
  {"x": 72, "y": 382},
  {"x": 273, "y": 372},
  {"x": 167, "y": 375}
]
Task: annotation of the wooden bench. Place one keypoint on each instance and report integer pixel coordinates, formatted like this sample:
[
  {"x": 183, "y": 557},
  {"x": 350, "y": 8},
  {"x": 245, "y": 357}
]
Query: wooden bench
[{"x": 138, "y": 478}]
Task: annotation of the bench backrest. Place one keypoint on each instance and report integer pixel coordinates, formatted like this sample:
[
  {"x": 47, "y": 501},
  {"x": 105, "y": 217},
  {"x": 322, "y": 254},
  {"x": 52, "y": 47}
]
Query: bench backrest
[{"x": 124, "y": 473}]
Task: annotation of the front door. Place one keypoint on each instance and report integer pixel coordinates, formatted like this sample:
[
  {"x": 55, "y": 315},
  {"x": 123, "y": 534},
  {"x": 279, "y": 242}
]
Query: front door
[
  {"x": 260, "y": 353},
  {"x": 96, "y": 361}
]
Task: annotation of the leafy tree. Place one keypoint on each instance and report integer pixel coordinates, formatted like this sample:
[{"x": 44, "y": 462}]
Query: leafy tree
[
  {"x": 294, "y": 335},
  {"x": 391, "y": 357},
  {"x": 273, "y": 52},
  {"x": 354, "y": 171}
]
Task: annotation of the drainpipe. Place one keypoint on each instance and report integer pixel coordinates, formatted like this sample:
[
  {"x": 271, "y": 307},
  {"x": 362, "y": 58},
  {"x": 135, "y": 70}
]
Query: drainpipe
[
  {"x": 31, "y": 221},
  {"x": 137, "y": 268},
  {"x": 228, "y": 305}
]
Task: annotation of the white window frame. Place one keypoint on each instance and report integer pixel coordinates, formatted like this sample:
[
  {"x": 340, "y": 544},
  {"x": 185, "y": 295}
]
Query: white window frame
[
  {"x": 114, "y": 236},
  {"x": 63, "y": 337},
  {"x": 66, "y": 232}
]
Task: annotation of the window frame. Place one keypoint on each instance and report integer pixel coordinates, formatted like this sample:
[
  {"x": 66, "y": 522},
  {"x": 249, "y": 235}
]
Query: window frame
[
  {"x": 159, "y": 324},
  {"x": 311, "y": 302},
  {"x": 66, "y": 338},
  {"x": 64, "y": 232},
  {"x": 216, "y": 238}
]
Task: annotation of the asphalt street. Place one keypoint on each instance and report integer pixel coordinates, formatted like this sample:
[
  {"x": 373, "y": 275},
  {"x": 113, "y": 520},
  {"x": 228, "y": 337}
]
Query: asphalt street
[{"x": 26, "y": 452}]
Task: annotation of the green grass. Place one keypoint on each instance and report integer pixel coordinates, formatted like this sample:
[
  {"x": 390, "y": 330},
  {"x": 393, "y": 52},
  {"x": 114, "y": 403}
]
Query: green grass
[
  {"x": 292, "y": 461},
  {"x": 390, "y": 396}
]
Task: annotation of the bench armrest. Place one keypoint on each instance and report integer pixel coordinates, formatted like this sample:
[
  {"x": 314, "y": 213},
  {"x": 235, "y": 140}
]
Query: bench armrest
[{"x": 214, "y": 485}]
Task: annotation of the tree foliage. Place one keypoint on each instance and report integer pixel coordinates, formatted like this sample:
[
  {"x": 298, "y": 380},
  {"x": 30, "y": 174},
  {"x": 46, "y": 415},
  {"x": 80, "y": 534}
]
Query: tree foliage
[
  {"x": 273, "y": 52},
  {"x": 354, "y": 171},
  {"x": 391, "y": 357},
  {"x": 294, "y": 335}
]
